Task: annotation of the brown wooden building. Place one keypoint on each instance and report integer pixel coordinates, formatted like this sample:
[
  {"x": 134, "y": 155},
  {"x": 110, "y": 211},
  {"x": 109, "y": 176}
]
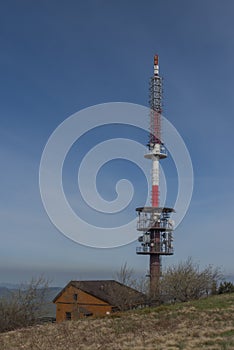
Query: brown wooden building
[{"x": 95, "y": 298}]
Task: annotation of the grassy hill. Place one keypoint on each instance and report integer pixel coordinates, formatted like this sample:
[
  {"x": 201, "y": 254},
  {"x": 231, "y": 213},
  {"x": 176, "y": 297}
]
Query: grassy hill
[{"x": 203, "y": 324}]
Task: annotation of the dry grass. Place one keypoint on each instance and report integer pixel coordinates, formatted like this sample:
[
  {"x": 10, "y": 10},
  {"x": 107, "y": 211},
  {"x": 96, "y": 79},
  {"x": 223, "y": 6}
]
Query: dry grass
[{"x": 205, "y": 324}]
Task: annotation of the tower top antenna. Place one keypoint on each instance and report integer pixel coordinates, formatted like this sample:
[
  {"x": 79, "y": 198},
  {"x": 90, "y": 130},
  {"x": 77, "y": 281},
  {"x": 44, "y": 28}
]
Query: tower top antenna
[{"x": 156, "y": 65}]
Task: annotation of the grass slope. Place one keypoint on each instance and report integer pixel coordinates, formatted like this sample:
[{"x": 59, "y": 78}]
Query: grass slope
[{"x": 204, "y": 324}]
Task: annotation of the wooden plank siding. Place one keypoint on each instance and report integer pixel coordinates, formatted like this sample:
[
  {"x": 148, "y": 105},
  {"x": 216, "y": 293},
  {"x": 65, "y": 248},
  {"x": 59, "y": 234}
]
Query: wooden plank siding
[{"x": 65, "y": 303}]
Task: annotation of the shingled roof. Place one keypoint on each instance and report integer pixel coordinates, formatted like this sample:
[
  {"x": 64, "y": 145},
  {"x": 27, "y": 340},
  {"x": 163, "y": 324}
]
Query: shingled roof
[{"x": 109, "y": 291}]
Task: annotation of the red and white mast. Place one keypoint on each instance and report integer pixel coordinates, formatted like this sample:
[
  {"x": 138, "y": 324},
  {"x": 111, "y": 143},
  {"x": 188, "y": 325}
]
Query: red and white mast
[{"x": 155, "y": 221}]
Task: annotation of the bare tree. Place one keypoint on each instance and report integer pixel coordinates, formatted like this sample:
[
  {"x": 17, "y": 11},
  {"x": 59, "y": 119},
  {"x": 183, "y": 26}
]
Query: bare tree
[
  {"x": 125, "y": 275},
  {"x": 25, "y": 306},
  {"x": 186, "y": 281}
]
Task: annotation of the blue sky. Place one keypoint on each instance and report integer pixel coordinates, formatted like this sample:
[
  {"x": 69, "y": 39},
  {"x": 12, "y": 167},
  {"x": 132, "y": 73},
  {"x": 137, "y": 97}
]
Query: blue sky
[{"x": 58, "y": 57}]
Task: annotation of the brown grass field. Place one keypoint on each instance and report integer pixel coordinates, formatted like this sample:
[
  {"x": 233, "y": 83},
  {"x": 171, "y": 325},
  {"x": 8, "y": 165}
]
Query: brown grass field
[{"x": 203, "y": 324}]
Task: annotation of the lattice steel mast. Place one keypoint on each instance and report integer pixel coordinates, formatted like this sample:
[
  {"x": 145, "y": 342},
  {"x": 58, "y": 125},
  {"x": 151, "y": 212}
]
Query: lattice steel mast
[{"x": 154, "y": 221}]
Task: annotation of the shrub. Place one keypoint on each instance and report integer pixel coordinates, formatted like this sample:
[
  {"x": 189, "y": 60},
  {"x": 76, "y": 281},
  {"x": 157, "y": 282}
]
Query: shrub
[
  {"x": 185, "y": 281},
  {"x": 24, "y": 306},
  {"x": 226, "y": 287}
]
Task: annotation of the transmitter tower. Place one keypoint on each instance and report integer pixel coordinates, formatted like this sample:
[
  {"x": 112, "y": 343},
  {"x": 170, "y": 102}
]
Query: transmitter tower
[{"x": 154, "y": 222}]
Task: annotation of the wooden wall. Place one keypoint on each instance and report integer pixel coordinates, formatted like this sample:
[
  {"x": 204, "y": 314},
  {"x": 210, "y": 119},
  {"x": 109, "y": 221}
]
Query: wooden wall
[{"x": 66, "y": 303}]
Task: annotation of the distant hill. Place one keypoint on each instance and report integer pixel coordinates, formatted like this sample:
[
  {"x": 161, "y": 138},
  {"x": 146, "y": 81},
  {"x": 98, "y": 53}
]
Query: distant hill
[
  {"x": 9, "y": 285},
  {"x": 203, "y": 324}
]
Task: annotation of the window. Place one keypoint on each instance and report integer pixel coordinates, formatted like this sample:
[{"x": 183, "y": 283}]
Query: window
[
  {"x": 88, "y": 314},
  {"x": 68, "y": 315},
  {"x": 75, "y": 296}
]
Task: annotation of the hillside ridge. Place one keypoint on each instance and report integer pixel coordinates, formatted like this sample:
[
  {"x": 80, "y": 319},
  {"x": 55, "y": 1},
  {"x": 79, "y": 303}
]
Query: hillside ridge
[{"x": 207, "y": 323}]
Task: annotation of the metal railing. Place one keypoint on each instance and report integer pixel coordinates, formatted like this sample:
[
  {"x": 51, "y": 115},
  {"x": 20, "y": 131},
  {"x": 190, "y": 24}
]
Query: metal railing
[
  {"x": 146, "y": 224},
  {"x": 156, "y": 250}
]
